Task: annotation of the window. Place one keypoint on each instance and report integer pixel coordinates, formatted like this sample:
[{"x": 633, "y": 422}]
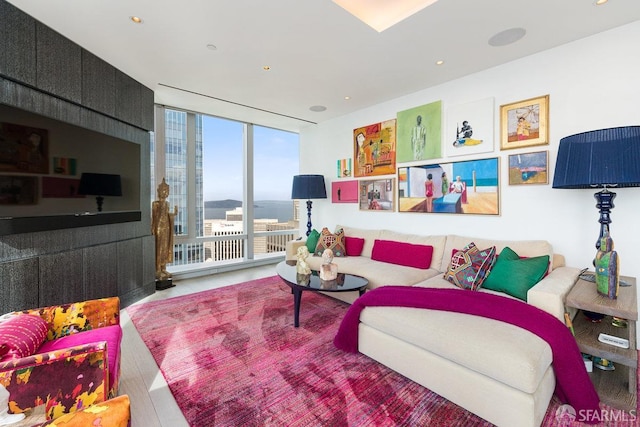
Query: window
[{"x": 231, "y": 182}]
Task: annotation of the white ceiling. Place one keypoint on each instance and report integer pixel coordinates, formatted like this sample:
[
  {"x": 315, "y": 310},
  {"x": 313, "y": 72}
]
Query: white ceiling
[{"x": 318, "y": 52}]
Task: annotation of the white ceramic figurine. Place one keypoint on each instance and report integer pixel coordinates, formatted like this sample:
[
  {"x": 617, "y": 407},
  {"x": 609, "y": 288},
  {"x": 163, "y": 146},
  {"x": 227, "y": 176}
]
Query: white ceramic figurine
[{"x": 302, "y": 267}]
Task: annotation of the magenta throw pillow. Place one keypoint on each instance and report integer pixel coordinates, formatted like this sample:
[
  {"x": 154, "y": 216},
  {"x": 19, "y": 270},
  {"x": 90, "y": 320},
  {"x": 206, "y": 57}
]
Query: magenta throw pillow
[
  {"x": 353, "y": 245},
  {"x": 400, "y": 253},
  {"x": 21, "y": 336},
  {"x": 111, "y": 334}
]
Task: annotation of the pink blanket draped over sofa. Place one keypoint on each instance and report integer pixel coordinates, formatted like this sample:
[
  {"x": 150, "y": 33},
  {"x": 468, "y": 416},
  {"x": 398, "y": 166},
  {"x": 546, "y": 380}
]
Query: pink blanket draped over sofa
[{"x": 573, "y": 385}]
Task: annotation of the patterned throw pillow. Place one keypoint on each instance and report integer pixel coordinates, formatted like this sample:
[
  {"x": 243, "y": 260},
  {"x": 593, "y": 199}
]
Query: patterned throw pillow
[
  {"x": 21, "y": 336},
  {"x": 335, "y": 242},
  {"x": 470, "y": 266}
]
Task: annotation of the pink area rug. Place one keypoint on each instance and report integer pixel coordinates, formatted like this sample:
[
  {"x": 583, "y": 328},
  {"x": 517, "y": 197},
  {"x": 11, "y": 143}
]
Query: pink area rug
[{"x": 232, "y": 357}]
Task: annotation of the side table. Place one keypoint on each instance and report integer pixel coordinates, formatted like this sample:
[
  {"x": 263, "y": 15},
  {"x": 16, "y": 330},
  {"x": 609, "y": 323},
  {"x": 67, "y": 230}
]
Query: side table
[{"x": 616, "y": 388}]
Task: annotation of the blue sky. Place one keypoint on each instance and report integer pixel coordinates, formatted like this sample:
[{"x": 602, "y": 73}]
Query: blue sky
[{"x": 276, "y": 157}]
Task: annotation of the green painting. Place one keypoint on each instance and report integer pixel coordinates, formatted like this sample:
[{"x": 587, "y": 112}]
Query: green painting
[{"x": 419, "y": 133}]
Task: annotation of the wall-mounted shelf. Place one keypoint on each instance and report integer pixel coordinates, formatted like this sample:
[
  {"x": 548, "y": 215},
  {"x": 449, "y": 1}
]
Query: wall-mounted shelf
[{"x": 34, "y": 224}]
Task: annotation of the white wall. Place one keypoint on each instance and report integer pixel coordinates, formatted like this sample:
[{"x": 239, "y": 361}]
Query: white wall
[{"x": 593, "y": 83}]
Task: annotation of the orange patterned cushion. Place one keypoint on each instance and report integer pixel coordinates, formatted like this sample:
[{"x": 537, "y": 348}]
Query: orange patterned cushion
[
  {"x": 21, "y": 336},
  {"x": 335, "y": 242}
]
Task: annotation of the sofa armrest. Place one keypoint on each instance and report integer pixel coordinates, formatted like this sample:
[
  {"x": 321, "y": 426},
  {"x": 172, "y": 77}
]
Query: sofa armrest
[
  {"x": 549, "y": 294},
  {"x": 292, "y": 248},
  {"x": 115, "y": 412},
  {"x": 66, "y": 319},
  {"x": 63, "y": 380}
]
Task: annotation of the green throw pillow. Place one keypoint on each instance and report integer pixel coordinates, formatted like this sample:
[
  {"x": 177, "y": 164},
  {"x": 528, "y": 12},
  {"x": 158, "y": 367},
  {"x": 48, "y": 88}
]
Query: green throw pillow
[
  {"x": 514, "y": 275},
  {"x": 312, "y": 240}
]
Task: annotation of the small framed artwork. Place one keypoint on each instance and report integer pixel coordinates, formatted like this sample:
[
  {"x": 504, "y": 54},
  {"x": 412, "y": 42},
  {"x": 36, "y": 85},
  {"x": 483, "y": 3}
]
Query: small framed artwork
[
  {"x": 65, "y": 166},
  {"x": 529, "y": 168},
  {"x": 24, "y": 149},
  {"x": 344, "y": 191},
  {"x": 464, "y": 187},
  {"x": 18, "y": 190},
  {"x": 524, "y": 123},
  {"x": 62, "y": 188},
  {"x": 377, "y": 195},
  {"x": 470, "y": 128},
  {"x": 343, "y": 168}
]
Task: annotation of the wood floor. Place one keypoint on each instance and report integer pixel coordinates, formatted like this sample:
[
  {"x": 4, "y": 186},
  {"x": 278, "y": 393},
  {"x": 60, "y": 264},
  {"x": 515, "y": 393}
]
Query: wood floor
[{"x": 152, "y": 404}]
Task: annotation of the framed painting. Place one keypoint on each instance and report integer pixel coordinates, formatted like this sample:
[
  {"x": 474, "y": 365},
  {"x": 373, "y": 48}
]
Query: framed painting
[
  {"x": 62, "y": 188},
  {"x": 65, "y": 166},
  {"x": 18, "y": 190},
  {"x": 466, "y": 187},
  {"x": 529, "y": 168},
  {"x": 419, "y": 133},
  {"x": 23, "y": 149},
  {"x": 524, "y": 123},
  {"x": 344, "y": 191},
  {"x": 470, "y": 128},
  {"x": 377, "y": 195},
  {"x": 343, "y": 168},
  {"x": 374, "y": 149}
]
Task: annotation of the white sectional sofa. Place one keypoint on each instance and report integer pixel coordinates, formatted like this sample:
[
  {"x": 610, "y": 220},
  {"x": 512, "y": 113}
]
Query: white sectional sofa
[{"x": 496, "y": 370}]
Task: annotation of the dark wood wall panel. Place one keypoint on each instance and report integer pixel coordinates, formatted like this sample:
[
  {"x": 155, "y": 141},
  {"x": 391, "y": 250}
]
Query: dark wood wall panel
[
  {"x": 129, "y": 265},
  {"x": 128, "y": 99},
  {"x": 17, "y": 44},
  {"x": 98, "y": 84},
  {"x": 59, "y": 64},
  {"x": 100, "y": 271},
  {"x": 61, "y": 278},
  {"x": 19, "y": 284}
]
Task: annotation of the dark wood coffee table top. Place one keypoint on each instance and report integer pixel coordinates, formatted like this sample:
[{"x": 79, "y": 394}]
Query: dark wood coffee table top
[{"x": 312, "y": 282}]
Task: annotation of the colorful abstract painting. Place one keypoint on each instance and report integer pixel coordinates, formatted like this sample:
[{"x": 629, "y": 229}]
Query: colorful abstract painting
[
  {"x": 343, "y": 168},
  {"x": 529, "y": 168},
  {"x": 374, "y": 149},
  {"x": 65, "y": 166},
  {"x": 420, "y": 133}
]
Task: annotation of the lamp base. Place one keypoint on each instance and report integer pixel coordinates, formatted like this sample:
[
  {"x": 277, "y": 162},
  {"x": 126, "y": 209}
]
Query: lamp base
[
  {"x": 309, "y": 203},
  {"x": 604, "y": 203},
  {"x": 99, "y": 201}
]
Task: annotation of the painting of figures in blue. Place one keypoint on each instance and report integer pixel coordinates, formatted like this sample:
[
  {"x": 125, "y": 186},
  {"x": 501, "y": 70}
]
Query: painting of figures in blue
[{"x": 468, "y": 187}]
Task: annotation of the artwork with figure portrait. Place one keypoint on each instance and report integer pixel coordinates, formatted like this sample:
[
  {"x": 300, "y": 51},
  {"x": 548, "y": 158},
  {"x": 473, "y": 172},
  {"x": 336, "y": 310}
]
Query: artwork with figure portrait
[
  {"x": 23, "y": 149},
  {"x": 469, "y": 187},
  {"x": 470, "y": 128},
  {"x": 419, "y": 133},
  {"x": 374, "y": 149},
  {"x": 377, "y": 195}
]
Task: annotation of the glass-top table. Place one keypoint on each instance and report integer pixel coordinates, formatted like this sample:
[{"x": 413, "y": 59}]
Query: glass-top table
[{"x": 312, "y": 282}]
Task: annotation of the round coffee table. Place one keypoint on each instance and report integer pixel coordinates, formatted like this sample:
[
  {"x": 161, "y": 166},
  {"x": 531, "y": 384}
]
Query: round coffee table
[{"x": 312, "y": 282}]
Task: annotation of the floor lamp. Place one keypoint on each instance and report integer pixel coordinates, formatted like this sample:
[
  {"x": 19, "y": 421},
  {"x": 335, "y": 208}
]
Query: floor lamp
[
  {"x": 605, "y": 158},
  {"x": 308, "y": 187}
]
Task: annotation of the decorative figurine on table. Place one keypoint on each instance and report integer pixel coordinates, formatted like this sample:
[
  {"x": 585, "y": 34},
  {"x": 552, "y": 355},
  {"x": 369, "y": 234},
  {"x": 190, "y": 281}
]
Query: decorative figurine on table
[
  {"x": 302, "y": 267},
  {"x": 606, "y": 264},
  {"x": 328, "y": 270}
]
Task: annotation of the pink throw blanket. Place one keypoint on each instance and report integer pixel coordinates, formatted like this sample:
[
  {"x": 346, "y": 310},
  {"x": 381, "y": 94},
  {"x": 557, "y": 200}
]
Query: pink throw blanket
[{"x": 573, "y": 385}]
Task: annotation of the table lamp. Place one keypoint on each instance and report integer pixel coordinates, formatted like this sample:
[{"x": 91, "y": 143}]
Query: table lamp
[
  {"x": 100, "y": 185},
  {"x": 605, "y": 158},
  {"x": 308, "y": 187}
]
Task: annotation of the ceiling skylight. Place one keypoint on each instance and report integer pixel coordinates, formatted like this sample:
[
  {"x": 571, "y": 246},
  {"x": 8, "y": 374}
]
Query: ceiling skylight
[{"x": 382, "y": 14}]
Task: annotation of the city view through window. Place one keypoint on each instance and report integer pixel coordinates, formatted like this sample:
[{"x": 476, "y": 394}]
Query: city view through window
[{"x": 208, "y": 164}]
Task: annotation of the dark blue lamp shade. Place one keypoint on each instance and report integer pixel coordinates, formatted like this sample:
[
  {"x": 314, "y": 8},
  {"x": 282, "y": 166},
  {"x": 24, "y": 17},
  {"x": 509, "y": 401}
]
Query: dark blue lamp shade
[
  {"x": 308, "y": 187},
  {"x": 99, "y": 185},
  {"x": 605, "y": 158}
]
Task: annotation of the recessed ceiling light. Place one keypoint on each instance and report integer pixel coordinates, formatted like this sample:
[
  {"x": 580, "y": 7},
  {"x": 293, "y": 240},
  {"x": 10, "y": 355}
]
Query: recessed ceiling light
[
  {"x": 266, "y": 67},
  {"x": 439, "y": 62},
  {"x": 506, "y": 37},
  {"x": 136, "y": 19},
  {"x": 317, "y": 108},
  {"x": 347, "y": 98},
  {"x": 212, "y": 46},
  {"x": 601, "y": 2}
]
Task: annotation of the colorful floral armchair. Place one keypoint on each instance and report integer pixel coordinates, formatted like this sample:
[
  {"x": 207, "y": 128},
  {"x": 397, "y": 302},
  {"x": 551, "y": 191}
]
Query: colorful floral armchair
[{"x": 75, "y": 365}]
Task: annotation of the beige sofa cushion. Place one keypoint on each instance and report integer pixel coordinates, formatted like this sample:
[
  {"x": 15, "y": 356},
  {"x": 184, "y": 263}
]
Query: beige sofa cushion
[
  {"x": 515, "y": 356},
  {"x": 526, "y": 248}
]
